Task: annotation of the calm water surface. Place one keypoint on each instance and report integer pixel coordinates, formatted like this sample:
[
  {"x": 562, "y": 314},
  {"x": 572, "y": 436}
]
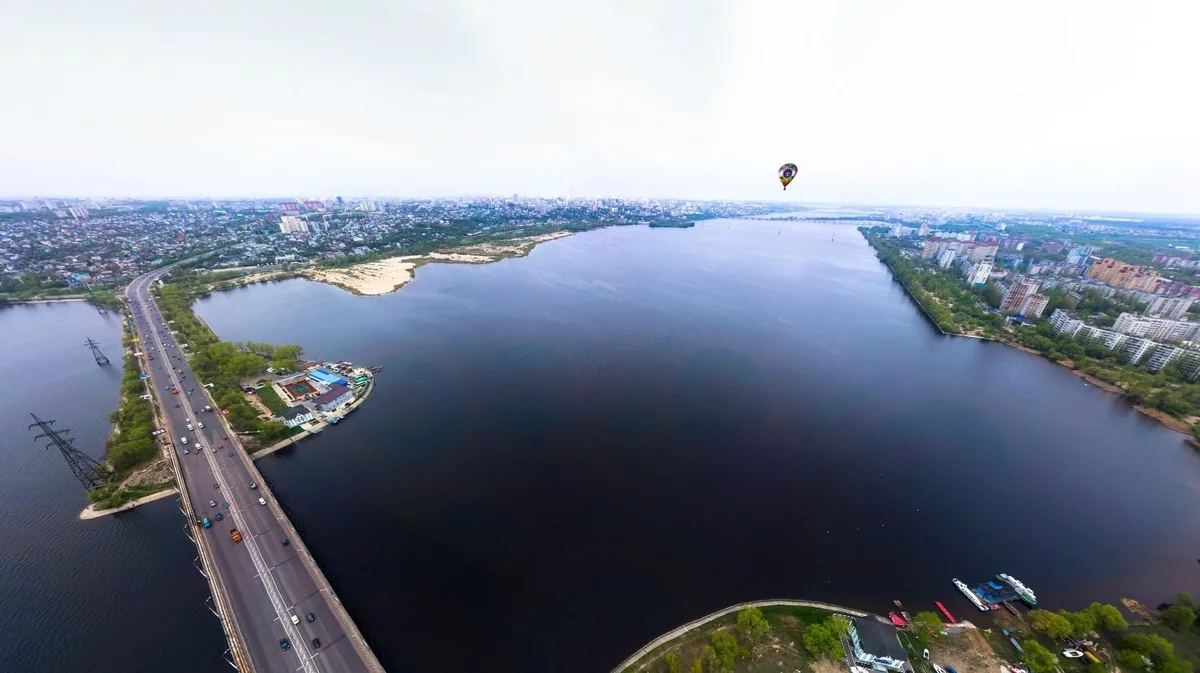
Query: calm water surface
[
  {"x": 571, "y": 453},
  {"x": 113, "y": 594}
]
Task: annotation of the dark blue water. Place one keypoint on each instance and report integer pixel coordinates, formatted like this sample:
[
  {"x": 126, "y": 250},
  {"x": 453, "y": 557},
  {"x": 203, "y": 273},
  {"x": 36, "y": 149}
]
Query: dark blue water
[
  {"x": 112, "y": 594},
  {"x": 571, "y": 453}
]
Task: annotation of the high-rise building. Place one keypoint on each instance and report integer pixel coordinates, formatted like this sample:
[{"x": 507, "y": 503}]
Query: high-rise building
[
  {"x": 1017, "y": 293},
  {"x": 929, "y": 249},
  {"x": 1169, "y": 307},
  {"x": 289, "y": 224},
  {"x": 946, "y": 258},
  {"x": 1033, "y": 305},
  {"x": 977, "y": 273},
  {"x": 1122, "y": 275}
]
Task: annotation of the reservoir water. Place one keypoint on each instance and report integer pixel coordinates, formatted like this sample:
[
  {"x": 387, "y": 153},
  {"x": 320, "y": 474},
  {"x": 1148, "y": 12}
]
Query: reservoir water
[{"x": 571, "y": 453}]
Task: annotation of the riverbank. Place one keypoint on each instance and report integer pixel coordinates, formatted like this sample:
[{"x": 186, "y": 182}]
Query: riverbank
[
  {"x": 388, "y": 275},
  {"x": 956, "y": 317},
  {"x": 90, "y": 512},
  {"x": 695, "y": 631}
]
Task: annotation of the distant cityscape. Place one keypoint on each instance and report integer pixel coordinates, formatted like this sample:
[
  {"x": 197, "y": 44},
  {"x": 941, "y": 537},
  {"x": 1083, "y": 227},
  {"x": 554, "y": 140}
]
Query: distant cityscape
[{"x": 47, "y": 245}]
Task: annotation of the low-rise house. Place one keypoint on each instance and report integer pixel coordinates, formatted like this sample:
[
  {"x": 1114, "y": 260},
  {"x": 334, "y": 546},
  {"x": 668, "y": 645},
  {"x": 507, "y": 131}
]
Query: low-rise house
[{"x": 876, "y": 646}]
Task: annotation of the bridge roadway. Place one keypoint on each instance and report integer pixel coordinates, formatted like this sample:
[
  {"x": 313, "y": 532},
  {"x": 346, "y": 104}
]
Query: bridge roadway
[{"x": 261, "y": 580}]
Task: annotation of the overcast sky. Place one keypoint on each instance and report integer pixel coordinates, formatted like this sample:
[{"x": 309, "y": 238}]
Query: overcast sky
[{"x": 1088, "y": 104}]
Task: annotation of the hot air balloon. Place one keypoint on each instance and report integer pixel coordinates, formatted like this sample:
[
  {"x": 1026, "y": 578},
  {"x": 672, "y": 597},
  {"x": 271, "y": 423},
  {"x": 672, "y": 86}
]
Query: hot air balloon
[{"x": 786, "y": 173}]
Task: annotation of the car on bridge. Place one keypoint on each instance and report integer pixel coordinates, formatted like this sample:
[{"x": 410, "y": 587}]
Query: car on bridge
[
  {"x": 262, "y": 501},
  {"x": 212, "y": 503},
  {"x": 283, "y": 644}
]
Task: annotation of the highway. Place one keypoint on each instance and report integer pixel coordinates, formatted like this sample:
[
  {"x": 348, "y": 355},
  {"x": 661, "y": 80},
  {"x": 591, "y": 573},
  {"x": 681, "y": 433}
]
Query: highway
[{"x": 268, "y": 577}]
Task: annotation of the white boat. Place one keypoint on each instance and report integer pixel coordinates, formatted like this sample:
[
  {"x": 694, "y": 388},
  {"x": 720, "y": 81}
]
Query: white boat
[
  {"x": 1072, "y": 653},
  {"x": 1023, "y": 591},
  {"x": 970, "y": 594}
]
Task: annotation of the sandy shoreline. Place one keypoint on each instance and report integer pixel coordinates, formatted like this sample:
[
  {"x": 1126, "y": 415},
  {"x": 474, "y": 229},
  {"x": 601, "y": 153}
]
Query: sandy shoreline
[
  {"x": 388, "y": 275},
  {"x": 90, "y": 512}
]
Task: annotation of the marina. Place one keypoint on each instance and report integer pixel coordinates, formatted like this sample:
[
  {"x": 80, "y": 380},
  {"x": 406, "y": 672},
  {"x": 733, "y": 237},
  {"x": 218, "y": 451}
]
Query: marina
[{"x": 1002, "y": 590}]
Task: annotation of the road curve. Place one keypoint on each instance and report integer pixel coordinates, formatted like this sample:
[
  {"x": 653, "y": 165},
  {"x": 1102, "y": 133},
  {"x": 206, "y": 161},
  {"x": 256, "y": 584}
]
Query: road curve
[{"x": 261, "y": 580}]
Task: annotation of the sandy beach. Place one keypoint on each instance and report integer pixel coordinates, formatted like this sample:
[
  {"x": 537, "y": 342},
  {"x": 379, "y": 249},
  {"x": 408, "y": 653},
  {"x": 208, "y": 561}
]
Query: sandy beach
[
  {"x": 371, "y": 278},
  {"x": 388, "y": 275}
]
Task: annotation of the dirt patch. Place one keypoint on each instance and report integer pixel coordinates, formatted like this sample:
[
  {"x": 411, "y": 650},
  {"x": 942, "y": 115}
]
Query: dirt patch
[
  {"x": 157, "y": 472},
  {"x": 827, "y": 666},
  {"x": 966, "y": 650},
  {"x": 1138, "y": 609}
]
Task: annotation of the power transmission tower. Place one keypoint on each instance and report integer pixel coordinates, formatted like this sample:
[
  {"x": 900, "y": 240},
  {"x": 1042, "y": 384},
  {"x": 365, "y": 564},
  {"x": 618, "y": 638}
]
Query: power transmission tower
[
  {"x": 85, "y": 469},
  {"x": 100, "y": 358}
]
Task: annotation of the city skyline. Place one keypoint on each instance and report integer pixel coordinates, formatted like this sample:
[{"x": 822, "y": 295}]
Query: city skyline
[{"x": 1031, "y": 106}]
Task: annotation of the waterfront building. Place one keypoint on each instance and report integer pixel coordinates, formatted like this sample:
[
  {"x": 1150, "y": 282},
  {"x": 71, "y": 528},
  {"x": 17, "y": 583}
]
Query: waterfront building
[
  {"x": 1156, "y": 328},
  {"x": 1033, "y": 305},
  {"x": 1017, "y": 293},
  {"x": 336, "y": 396},
  {"x": 325, "y": 378},
  {"x": 1162, "y": 356},
  {"x": 1134, "y": 349},
  {"x": 876, "y": 645},
  {"x": 1172, "y": 308},
  {"x": 1062, "y": 322},
  {"x": 297, "y": 415}
]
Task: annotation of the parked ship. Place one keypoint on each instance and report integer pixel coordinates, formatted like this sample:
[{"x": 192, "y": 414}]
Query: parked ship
[
  {"x": 1023, "y": 591},
  {"x": 974, "y": 598}
]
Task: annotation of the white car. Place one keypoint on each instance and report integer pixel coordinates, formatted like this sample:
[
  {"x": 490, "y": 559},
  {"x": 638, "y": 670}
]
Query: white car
[
  {"x": 262, "y": 501},
  {"x": 190, "y": 426},
  {"x": 199, "y": 424}
]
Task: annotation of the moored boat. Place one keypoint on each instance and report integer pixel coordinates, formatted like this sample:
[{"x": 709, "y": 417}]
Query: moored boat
[
  {"x": 974, "y": 598},
  {"x": 1023, "y": 591}
]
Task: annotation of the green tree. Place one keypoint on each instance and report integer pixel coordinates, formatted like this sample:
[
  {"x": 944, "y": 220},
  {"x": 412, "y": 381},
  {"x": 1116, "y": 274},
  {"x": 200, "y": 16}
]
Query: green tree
[
  {"x": 726, "y": 648},
  {"x": 1053, "y": 625},
  {"x": 1095, "y": 667},
  {"x": 1037, "y": 657},
  {"x": 1185, "y": 599},
  {"x": 839, "y": 626},
  {"x": 1082, "y": 622},
  {"x": 673, "y": 665},
  {"x": 1178, "y": 617},
  {"x": 751, "y": 625},
  {"x": 1157, "y": 648},
  {"x": 1108, "y": 617},
  {"x": 820, "y": 641},
  {"x": 926, "y": 623},
  {"x": 711, "y": 661},
  {"x": 697, "y": 666}
]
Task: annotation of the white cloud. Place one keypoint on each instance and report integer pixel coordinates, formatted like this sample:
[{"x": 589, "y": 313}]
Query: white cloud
[{"x": 1021, "y": 103}]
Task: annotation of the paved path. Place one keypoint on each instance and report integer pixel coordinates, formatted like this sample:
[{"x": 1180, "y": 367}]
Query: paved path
[{"x": 259, "y": 583}]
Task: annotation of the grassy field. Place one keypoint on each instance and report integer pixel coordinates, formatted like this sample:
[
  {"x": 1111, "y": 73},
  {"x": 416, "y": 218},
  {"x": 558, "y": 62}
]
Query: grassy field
[{"x": 782, "y": 652}]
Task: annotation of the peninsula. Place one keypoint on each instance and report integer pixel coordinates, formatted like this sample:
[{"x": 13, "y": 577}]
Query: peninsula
[
  {"x": 386, "y": 275},
  {"x": 797, "y": 635}
]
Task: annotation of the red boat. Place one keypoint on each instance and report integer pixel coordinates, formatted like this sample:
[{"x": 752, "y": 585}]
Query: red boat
[
  {"x": 949, "y": 617},
  {"x": 897, "y": 620}
]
